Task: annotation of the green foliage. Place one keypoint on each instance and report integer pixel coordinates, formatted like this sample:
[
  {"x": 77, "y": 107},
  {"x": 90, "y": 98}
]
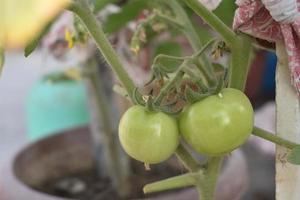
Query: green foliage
[
  {"x": 294, "y": 156},
  {"x": 128, "y": 12},
  {"x": 35, "y": 42},
  {"x": 100, "y": 4}
]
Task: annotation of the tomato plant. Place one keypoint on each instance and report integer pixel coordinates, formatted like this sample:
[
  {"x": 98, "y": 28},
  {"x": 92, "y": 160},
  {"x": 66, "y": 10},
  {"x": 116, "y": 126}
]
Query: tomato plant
[
  {"x": 148, "y": 136},
  {"x": 219, "y": 123}
]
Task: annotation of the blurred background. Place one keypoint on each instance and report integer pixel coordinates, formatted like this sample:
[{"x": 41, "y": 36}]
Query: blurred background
[
  {"x": 21, "y": 75},
  {"x": 42, "y": 94}
]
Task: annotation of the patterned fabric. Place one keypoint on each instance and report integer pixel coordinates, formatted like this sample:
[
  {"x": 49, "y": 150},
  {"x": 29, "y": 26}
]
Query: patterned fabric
[{"x": 253, "y": 18}]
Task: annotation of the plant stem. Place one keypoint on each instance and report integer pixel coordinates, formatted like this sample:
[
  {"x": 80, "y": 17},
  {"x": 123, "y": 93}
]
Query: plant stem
[
  {"x": 81, "y": 8},
  {"x": 178, "y": 75},
  {"x": 164, "y": 56},
  {"x": 273, "y": 138},
  {"x": 104, "y": 134},
  {"x": 207, "y": 184},
  {"x": 168, "y": 19},
  {"x": 210, "y": 18},
  {"x": 206, "y": 72},
  {"x": 187, "y": 159},
  {"x": 241, "y": 54},
  {"x": 180, "y": 181},
  {"x": 190, "y": 32}
]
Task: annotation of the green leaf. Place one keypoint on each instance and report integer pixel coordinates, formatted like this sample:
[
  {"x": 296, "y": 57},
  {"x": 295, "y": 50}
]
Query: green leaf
[
  {"x": 192, "y": 96},
  {"x": 100, "y": 4},
  {"x": 31, "y": 46},
  {"x": 294, "y": 156},
  {"x": 128, "y": 12}
]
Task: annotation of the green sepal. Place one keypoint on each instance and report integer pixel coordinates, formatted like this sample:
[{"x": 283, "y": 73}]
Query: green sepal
[
  {"x": 149, "y": 104},
  {"x": 137, "y": 97},
  {"x": 192, "y": 96},
  {"x": 169, "y": 110},
  {"x": 219, "y": 86}
]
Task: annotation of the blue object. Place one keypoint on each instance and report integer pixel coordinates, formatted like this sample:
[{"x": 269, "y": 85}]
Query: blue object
[
  {"x": 56, "y": 103},
  {"x": 268, "y": 81}
]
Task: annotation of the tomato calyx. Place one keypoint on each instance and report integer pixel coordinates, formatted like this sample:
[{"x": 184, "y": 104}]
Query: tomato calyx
[
  {"x": 192, "y": 96},
  {"x": 149, "y": 103}
]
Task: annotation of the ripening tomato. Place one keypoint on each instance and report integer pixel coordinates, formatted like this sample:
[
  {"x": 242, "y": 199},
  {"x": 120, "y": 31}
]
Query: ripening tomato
[
  {"x": 150, "y": 137},
  {"x": 219, "y": 123}
]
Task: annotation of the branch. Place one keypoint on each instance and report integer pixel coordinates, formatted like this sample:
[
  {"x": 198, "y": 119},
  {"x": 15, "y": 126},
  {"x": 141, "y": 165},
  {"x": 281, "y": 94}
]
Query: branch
[
  {"x": 273, "y": 138},
  {"x": 228, "y": 35},
  {"x": 186, "y": 159},
  {"x": 180, "y": 181}
]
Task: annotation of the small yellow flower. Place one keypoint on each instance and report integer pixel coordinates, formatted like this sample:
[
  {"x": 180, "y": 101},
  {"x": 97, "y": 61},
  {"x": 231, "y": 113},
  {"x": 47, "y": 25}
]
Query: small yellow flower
[{"x": 69, "y": 38}]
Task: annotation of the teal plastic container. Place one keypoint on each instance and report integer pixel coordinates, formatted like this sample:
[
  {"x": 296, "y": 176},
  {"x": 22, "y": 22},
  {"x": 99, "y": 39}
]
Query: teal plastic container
[{"x": 56, "y": 103}]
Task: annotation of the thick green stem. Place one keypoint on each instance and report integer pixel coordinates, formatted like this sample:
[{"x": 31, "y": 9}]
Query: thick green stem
[
  {"x": 211, "y": 19},
  {"x": 274, "y": 138},
  {"x": 81, "y": 8},
  {"x": 207, "y": 184},
  {"x": 241, "y": 54},
  {"x": 187, "y": 159}
]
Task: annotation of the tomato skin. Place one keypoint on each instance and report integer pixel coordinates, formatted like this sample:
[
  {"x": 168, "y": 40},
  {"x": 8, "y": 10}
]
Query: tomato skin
[
  {"x": 150, "y": 137},
  {"x": 219, "y": 123}
]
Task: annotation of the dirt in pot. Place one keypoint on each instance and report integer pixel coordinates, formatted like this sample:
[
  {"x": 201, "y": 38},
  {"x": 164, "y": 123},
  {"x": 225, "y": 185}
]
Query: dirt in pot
[
  {"x": 88, "y": 186},
  {"x": 82, "y": 185}
]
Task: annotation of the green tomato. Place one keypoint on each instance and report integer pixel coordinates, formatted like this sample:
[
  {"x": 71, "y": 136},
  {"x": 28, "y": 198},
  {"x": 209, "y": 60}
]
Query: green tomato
[
  {"x": 219, "y": 123},
  {"x": 150, "y": 137}
]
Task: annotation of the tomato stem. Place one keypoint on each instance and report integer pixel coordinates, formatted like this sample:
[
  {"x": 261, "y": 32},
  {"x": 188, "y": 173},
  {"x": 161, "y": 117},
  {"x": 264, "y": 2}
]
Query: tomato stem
[
  {"x": 190, "y": 32},
  {"x": 176, "y": 79},
  {"x": 187, "y": 159},
  {"x": 180, "y": 181},
  {"x": 273, "y": 138},
  {"x": 241, "y": 54},
  {"x": 207, "y": 183},
  {"x": 211, "y": 19}
]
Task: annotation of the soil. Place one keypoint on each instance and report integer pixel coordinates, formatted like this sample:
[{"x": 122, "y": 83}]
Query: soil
[{"x": 87, "y": 185}]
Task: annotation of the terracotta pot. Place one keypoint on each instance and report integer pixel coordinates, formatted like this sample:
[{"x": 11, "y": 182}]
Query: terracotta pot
[{"x": 70, "y": 152}]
